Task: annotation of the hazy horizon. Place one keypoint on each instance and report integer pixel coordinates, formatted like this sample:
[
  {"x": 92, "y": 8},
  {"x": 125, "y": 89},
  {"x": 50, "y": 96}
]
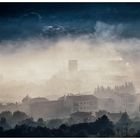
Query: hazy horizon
[{"x": 37, "y": 42}]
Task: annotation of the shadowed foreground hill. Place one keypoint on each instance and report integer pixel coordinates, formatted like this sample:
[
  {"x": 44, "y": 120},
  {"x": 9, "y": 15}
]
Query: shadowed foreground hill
[{"x": 102, "y": 127}]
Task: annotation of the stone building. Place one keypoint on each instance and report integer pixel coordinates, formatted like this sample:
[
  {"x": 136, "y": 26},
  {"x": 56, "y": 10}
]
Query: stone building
[{"x": 81, "y": 103}]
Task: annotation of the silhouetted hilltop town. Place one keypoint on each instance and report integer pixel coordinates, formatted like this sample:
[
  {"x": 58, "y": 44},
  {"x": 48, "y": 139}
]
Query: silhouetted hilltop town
[
  {"x": 105, "y": 104},
  {"x": 114, "y": 100}
]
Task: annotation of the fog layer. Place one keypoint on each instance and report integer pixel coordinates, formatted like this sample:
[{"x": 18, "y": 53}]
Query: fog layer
[{"x": 39, "y": 67}]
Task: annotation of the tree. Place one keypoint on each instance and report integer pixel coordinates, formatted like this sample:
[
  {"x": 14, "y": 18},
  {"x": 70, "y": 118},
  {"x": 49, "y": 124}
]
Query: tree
[
  {"x": 7, "y": 115},
  {"x": 55, "y": 123},
  {"x": 123, "y": 124},
  {"x": 28, "y": 122},
  {"x": 41, "y": 122},
  {"x": 4, "y": 124},
  {"x": 18, "y": 115},
  {"x": 108, "y": 132},
  {"x": 104, "y": 127}
]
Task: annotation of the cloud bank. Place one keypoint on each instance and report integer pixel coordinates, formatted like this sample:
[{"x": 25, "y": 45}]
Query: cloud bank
[{"x": 39, "y": 67}]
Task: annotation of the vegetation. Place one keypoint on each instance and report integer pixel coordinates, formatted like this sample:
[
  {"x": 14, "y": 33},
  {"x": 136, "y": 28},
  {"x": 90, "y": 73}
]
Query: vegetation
[{"x": 102, "y": 127}]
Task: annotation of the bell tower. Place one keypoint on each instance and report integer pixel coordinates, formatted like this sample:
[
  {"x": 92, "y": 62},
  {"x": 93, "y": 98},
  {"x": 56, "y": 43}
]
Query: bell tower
[{"x": 73, "y": 66}]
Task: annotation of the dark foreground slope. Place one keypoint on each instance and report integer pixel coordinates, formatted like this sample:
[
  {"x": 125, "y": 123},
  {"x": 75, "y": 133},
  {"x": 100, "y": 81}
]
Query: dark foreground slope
[{"x": 102, "y": 127}]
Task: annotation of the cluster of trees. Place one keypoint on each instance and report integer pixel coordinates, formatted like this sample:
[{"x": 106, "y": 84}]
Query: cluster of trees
[
  {"x": 9, "y": 120},
  {"x": 101, "y": 127},
  {"x": 24, "y": 126}
]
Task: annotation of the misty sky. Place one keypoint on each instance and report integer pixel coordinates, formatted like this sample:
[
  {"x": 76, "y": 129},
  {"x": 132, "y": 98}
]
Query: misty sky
[{"x": 38, "y": 39}]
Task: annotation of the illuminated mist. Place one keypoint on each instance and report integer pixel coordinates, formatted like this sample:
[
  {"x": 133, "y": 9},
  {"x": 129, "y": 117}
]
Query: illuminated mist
[{"x": 39, "y": 67}]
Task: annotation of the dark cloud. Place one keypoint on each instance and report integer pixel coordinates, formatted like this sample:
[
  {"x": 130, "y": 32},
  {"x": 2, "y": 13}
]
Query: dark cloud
[{"x": 28, "y": 20}]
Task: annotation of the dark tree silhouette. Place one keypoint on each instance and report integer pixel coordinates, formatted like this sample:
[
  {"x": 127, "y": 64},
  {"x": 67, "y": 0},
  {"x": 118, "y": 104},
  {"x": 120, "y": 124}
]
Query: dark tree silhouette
[
  {"x": 19, "y": 116},
  {"x": 55, "y": 123},
  {"x": 103, "y": 124},
  {"x": 102, "y": 127},
  {"x": 7, "y": 115},
  {"x": 41, "y": 122},
  {"x": 4, "y": 124},
  {"x": 122, "y": 126}
]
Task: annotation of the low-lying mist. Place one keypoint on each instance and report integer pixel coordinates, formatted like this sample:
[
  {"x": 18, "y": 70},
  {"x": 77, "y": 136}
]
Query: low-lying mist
[{"x": 39, "y": 67}]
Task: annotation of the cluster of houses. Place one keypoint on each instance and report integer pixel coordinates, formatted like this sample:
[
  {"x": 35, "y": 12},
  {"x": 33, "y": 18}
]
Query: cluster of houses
[{"x": 67, "y": 105}]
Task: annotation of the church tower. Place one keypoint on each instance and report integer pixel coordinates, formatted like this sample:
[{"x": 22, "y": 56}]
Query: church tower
[{"x": 73, "y": 66}]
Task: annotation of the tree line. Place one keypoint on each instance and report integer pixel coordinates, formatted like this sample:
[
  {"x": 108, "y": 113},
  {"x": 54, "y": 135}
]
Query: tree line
[{"x": 24, "y": 126}]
